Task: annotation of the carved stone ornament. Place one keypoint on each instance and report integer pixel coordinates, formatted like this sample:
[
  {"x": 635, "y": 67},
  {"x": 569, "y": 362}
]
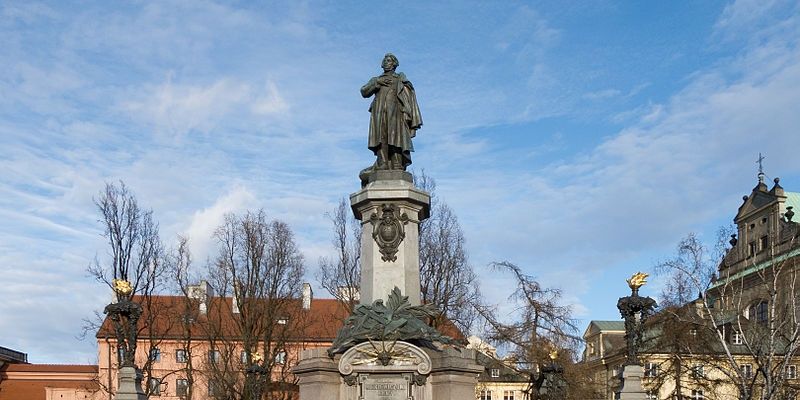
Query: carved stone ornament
[
  {"x": 385, "y": 358},
  {"x": 388, "y": 230}
]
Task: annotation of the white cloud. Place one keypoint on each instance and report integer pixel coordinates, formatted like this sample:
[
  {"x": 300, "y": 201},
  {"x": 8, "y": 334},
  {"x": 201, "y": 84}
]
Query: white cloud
[
  {"x": 204, "y": 222},
  {"x": 270, "y": 102}
]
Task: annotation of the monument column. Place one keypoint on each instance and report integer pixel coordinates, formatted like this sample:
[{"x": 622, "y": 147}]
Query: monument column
[
  {"x": 378, "y": 353},
  {"x": 390, "y": 209}
]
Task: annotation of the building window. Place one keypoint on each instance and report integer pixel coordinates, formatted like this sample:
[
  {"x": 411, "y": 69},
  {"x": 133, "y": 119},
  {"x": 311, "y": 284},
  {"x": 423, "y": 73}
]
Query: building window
[
  {"x": 283, "y": 321},
  {"x": 213, "y": 356},
  {"x": 494, "y": 373},
  {"x": 791, "y": 372},
  {"x": 751, "y": 249},
  {"x": 693, "y": 332},
  {"x": 180, "y": 356},
  {"x": 486, "y": 394},
  {"x": 759, "y": 312},
  {"x": 181, "y": 387},
  {"x": 508, "y": 395},
  {"x": 747, "y": 370},
  {"x": 736, "y": 338},
  {"x": 764, "y": 243},
  {"x": 698, "y": 372},
  {"x": 697, "y": 395},
  {"x": 154, "y": 386},
  {"x": 651, "y": 395},
  {"x": 280, "y": 357},
  {"x": 650, "y": 370},
  {"x": 244, "y": 357},
  {"x": 155, "y": 354}
]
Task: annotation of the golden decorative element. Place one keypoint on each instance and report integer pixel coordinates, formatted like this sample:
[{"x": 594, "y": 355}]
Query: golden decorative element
[
  {"x": 256, "y": 357},
  {"x": 122, "y": 286},
  {"x": 637, "y": 280},
  {"x": 553, "y": 354}
]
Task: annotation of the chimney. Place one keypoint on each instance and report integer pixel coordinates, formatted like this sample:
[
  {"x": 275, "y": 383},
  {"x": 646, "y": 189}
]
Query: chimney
[
  {"x": 308, "y": 294},
  {"x": 234, "y": 301},
  {"x": 203, "y": 292}
]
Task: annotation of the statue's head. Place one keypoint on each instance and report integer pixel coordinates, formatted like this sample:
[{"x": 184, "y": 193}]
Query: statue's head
[{"x": 390, "y": 62}]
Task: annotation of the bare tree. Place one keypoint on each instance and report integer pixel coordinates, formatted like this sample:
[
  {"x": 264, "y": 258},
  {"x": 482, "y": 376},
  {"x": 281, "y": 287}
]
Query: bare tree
[
  {"x": 135, "y": 257},
  {"x": 185, "y": 314},
  {"x": 341, "y": 276},
  {"x": 686, "y": 349},
  {"x": 751, "y": 313},
  {"x": 447, "y": 279},
  {"x": 135, "y": 248},
  {"x": 260, "y": 267},
  {"x": 539, "y": 324}
]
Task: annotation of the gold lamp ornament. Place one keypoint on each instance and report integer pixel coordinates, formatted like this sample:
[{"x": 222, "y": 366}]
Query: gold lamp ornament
[
  {"x": 122, "y": 286},
  {"x": 257, "y": 357},
  {"x": 553, "y": 354},
  {"x": 638, "y": 280}
]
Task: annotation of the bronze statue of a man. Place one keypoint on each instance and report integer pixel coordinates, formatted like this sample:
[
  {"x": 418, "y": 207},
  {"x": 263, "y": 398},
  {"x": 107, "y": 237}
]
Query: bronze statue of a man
[{"x": 395, "y": 116}]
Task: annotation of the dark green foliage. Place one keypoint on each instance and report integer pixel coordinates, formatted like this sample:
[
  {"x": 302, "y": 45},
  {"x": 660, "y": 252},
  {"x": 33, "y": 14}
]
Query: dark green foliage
[{"x": 397, "y": 320}]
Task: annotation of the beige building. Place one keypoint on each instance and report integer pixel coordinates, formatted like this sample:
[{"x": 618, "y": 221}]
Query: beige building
[
  {"x": 699, "y": 350},
  {"x": 500, "y": 380}
]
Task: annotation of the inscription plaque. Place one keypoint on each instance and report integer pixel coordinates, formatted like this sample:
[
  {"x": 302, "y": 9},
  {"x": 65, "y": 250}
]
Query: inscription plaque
[{"x": 385, "y": 387}]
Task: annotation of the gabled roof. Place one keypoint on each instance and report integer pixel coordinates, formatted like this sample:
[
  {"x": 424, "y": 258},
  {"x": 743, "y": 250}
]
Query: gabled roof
[
  {"x": 793, "y": 200},
  {"x": 596, "y": 326}
]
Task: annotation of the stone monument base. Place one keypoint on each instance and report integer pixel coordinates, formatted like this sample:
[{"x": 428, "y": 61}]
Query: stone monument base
[
  {"x": 130, "y": 385},
  {"x": 388, "y": 371},
  {"x": 632, "y": 383}
]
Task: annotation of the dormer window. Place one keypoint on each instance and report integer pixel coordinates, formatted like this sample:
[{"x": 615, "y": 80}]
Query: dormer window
[
  {"x": 764, "y": 242},
  {"x": 495, "y": 373},
  {"x": 737, "y": 338}
]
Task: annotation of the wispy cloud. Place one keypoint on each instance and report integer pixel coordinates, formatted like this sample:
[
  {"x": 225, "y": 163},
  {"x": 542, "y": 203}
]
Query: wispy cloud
[{"x": 204, "y": 109}]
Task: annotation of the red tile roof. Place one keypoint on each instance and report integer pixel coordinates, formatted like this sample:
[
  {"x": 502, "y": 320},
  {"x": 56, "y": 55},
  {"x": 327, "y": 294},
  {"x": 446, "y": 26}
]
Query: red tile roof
[
  {"x": 318, "y": 324},
  {"x": 60, "y": 368}
]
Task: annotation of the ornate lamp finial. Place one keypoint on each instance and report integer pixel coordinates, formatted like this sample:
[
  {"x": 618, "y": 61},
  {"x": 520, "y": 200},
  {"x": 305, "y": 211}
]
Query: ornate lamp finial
[
  {"x": 638, "y": 280},
  {"x": 256, "y": 357},
  {"x": 553, "y": 354}
]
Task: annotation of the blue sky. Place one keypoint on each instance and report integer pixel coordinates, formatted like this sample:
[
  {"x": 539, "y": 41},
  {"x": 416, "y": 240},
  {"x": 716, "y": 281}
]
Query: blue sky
[{"x": 580, "y": 140}]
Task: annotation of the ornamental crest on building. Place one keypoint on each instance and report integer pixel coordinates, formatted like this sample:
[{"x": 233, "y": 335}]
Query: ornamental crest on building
[{"x": 388, "y": 230}]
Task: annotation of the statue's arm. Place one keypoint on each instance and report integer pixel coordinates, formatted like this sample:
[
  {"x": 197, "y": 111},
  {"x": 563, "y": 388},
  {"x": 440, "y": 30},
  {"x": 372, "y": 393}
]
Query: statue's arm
[{"x": 370, "y": 88}]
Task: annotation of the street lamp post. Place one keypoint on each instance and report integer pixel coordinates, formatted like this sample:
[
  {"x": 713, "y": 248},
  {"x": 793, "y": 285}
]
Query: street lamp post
[
  {"x": 124, "y": 315},
  {"x": 635, "y": 310}
]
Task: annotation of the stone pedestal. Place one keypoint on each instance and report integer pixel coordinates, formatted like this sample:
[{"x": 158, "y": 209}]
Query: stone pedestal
[
  {"x": 454, "y": 374},
  {"x": 130, "y": 385},
  {"x": 390, "y": 209},
  {"x": 632, "y": 383},
  {"x": 318, "y": 375},
  {"x": 388, "y": 371}
]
